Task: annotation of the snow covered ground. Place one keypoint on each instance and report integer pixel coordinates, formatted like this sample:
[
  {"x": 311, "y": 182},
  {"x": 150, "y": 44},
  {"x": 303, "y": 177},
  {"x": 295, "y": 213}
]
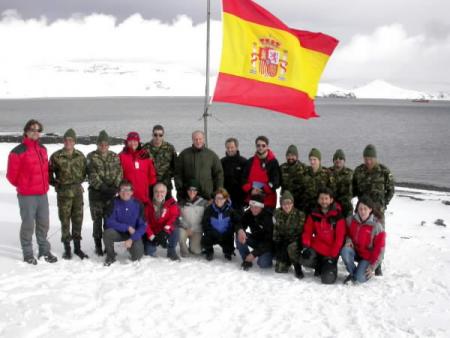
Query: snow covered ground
[{"x": 195, "y": 298}]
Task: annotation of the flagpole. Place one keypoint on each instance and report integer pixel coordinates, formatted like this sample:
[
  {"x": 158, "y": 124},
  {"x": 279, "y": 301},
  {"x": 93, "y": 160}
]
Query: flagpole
[{"x": 206, "y": 105}]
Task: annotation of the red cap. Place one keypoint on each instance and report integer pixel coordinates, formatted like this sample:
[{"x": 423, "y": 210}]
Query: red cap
[{"x": 133, "y": 136}]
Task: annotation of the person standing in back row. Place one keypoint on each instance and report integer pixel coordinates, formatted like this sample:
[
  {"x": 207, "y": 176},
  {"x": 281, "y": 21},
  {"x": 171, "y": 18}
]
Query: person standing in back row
[
  {"x": 104, "y": 175},
  {"x": 164, "y": 157},
  {"x": 262, "y": 174},
  {"x": 67, "y": 171},
  {"x": 199, "y": 163},
  {"x": 233, "y": 166},
  {"x": 28, "y": 172}
]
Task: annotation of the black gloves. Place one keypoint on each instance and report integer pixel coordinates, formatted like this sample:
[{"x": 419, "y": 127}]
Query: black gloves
[
  {"x": 161, "y": 239},
  {"x": 108, "y": 191}
]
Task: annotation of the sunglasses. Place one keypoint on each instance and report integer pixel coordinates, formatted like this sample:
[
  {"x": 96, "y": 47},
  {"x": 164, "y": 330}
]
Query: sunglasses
[
  {"x": 158, "y": 134},
  {"x": 125, "y": 189},
  {"x": 192, "y": 189},
  {"x": 35, "y": 130},
  {"x": 261, "y": 145}
]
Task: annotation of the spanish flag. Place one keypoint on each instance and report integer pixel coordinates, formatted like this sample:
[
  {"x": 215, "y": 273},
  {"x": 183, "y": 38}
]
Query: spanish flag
[{"x": 267, "y": 64}]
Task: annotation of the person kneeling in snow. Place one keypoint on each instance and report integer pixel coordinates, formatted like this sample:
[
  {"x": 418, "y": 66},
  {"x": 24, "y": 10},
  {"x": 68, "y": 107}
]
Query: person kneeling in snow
[
  {"x": 124, "y": 223},
  {"x": 365, "y": 242},
  {"x": 323, "y": 236},
  {"x": 191, "y": 209},
  {"x": 287, "y": 234},
  {"x": 260, "y": 222},
  {"x": 218, "y": 223},
  {"x": 162, "y": 217}
]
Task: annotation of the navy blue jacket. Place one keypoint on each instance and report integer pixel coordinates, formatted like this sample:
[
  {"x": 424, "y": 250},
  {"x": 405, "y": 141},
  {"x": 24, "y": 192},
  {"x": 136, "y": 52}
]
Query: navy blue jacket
[{"x": 125, "y": 214}]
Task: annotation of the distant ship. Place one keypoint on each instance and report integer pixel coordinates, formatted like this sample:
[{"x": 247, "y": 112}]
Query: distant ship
[{"x": 421, "y": 100}]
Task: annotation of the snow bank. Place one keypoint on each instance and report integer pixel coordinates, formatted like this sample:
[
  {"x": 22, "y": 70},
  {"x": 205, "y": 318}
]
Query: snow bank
[{"x": 195, "y": 298}]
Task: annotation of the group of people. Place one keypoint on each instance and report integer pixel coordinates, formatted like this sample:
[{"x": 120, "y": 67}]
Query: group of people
[{"x": 230, "y": 202}]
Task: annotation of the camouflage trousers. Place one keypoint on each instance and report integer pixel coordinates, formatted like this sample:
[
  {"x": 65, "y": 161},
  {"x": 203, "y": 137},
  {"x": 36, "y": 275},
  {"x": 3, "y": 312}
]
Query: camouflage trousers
[
  {"x": 70, "y": 210},
  {"x": 98, "y": 209},
  {"x": 288, "y": 252}
]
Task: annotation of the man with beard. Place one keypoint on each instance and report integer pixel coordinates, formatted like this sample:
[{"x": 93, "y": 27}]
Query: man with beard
[
  {"x": 292, "y": 173},
  {"x": 262, "y": 174}
]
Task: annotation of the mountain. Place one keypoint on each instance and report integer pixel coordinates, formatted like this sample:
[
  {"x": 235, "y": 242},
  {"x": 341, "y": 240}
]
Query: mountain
[
  {"x": 379, "y": 89},
  {"x": 107, "y": 78}
]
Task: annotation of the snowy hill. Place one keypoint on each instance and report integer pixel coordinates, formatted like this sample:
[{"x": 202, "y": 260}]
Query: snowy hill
[
  {"x": 108, "y": 78},
  {"x": 380, "y": 89},
  {"x": 156, "y": 297}
]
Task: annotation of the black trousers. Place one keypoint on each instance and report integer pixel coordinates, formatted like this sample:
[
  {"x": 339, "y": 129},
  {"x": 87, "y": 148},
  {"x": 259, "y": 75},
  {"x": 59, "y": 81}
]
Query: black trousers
[{"x": 225, "y": 240}]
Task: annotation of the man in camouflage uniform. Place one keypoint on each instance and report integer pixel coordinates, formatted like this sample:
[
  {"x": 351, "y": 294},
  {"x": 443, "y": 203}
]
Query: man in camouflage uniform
[
  {"x": 287, "y": 231},
  {"x": 67, "y": 170},
  {"x": 104, "y": 176},
  {"x": 292, "y": 173},
  {"x": 343, "y": 181},
  {"x": 164, "y": 156},
  {"x": 315, "y": 178},
  {"x": 374, "y": 180}
]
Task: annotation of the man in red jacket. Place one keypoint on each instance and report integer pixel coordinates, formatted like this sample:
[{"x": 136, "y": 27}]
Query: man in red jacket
[
  {"x": 162, "y": 217},
  {"x": 323, "y": 236},
  {"x": 28, "y": 172},
  {"x": 262, "y": 174}
]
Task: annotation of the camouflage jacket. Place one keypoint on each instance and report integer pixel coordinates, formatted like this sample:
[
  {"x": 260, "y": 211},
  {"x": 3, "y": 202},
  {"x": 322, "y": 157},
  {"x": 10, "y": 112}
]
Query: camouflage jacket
[
  {"x": 343, "y": 187},
  {"x": 312, "y": 183},
  {"x": 67, "y": 172},
  {"x": 164, "y": 158},
  {"x": 105, "y": 170},
  {"x": 291, "y": 177},
  {"x": 288, "y": 227},
  {"x": 378, "y": 184}
]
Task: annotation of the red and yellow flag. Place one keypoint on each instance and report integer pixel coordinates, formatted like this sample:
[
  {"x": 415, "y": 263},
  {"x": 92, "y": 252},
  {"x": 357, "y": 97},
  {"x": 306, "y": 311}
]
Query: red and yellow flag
[{"x": 267, "y": 64}]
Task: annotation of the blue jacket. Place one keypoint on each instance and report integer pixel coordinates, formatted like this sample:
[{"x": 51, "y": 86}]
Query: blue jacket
[
  {"x": 221, "y": 220},
  {"x": 125, "y": 214}
]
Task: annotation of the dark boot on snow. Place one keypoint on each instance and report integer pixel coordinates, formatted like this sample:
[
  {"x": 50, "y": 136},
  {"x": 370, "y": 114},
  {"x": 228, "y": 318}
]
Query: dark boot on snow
[
  {"x": 298, "y": 271},
  {"x": 67, "y": 251},
  {"x": 77, "y": 249}
]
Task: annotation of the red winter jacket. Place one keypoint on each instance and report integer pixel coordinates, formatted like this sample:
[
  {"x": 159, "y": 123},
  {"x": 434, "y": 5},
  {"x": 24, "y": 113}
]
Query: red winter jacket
[
  {"x": 169, "y": 215},
  {"x": 28, "y": 168},
  {"x": 325, "y": 232},
  {"x": 368, "y": 238},
  {"x": 138, "y": 168},
  {"x": 266, "y": 171}
]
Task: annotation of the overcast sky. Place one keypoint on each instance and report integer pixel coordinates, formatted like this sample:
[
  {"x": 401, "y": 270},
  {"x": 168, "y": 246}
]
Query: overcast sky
[{"x": 406, "y": 42}]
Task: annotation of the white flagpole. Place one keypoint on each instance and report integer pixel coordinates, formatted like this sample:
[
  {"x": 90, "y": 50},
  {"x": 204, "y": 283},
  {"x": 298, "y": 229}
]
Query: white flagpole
[{"x": 206, "y": 105}]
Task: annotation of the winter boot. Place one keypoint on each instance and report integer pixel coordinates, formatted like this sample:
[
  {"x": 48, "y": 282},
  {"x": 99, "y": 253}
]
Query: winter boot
[
  {"x": 98, "y": 247},
  {"x": 77, "y": 249},
  {"x": 349, "y": 278},
  {"x": 30, "y": 260},
  {"x": 172, "y": 255},
  {"x": 246, "y": 265},
  {"x": 298, "y": 271},
  {"x": 281, "y": 267},
  {"x": 209, "y": 255},
  {"x": 378, "y": 271},
  {"x": 49, "y": 257},
  {"x": 67, "y": 251},
  {"x": 227, "y": 256},
  {"x": 109, "y": 261}
]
